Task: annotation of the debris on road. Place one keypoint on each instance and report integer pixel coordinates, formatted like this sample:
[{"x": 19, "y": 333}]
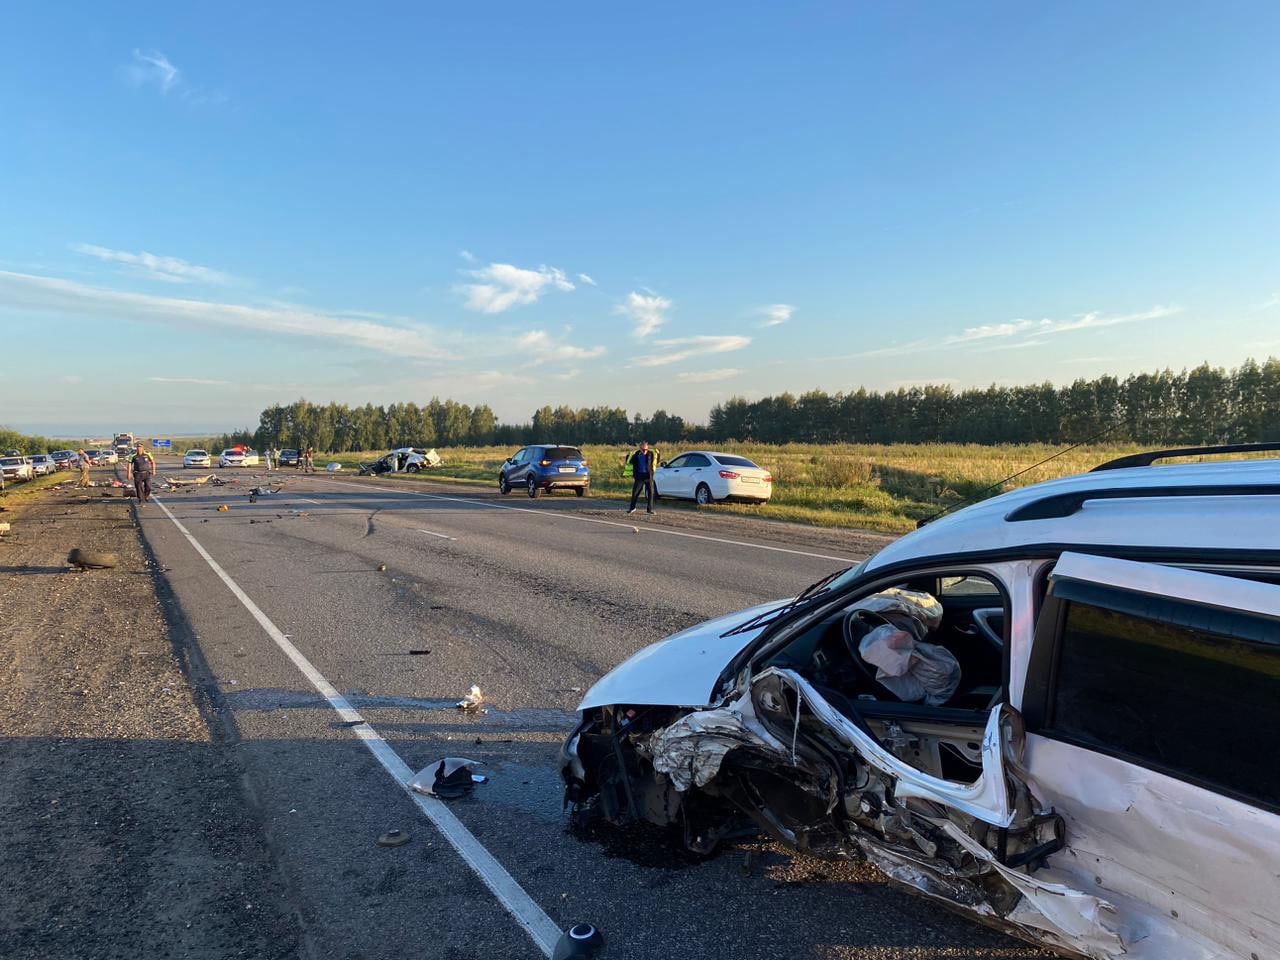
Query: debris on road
[
  {"x": 473, "y": 702},
  {"x": 191, "y": 482},
  {"x": 394, "y": 838},
  {"x": 447, "y": 779},
  {"x": 259, "y": 521},
  {"x": 4, "y": 528},
  {"x": 222, "y": 508},
  {"x": 580, "y": 940},
  {"x": 417, "y": 653},
  {"x": 91, "y": 560},
  {"x": 382, "y": 568},
  {"x": 333, "y": 467}
]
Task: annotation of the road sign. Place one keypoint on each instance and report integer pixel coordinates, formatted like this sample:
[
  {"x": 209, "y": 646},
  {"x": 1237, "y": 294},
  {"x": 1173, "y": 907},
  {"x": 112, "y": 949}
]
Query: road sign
[{"x": 162, "y": 443}]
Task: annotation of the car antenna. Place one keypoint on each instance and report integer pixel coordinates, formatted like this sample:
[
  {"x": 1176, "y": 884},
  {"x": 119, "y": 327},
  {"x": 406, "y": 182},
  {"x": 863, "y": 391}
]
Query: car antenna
[{"x": 975, "y": 497}]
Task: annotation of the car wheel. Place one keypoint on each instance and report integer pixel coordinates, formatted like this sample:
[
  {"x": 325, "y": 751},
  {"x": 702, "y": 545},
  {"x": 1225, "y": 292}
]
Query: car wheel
[
  {"x": 503, "y": 486},
  {"x": 533, "y": 489},
  {"x": 414, "y": 468},
  {"x": 702, "y": 495},
  {"x": 580, "y": 491}
]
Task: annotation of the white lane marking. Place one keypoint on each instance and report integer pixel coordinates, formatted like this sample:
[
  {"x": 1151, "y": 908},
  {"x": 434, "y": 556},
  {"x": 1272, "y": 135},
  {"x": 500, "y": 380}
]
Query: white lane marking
[
  {"x": 432, "y": 533},
  {"x": 540, "y": 927},
  {"x": 305, "y": 500},
  {"x": 560, "y": 515}
]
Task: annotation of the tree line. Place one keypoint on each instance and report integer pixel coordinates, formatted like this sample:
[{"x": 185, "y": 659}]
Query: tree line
[{"x": 1203, "y": 405}]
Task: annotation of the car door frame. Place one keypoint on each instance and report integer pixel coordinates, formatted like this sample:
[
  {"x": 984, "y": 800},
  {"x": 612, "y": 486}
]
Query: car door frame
[
  {"x": 1191, "y": 858},
  {"x": 672, "y": 479},
  {"x": 698, "y": 474}
]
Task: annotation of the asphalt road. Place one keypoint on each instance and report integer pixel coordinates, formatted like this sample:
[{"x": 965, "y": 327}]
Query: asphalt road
[{"x": 532, "y": 601}]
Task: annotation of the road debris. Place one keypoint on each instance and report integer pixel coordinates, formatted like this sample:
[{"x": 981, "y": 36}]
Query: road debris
[
  {"x": 333, "y": 467},
  {"x": 580, "y": 940},
  {"x": 382, "y": 568},
  {"x": 4, "y": 528},
  {"x": 259, "y": 521},
  {"x": 473, "y": 702},
  {"x": 394, "y": 838},
  {"x": 418, "y": 653},
  {"x": 222, "y": 508},
  {"x": 91, "y": 560},
  {"x": 447, "y": 779}
]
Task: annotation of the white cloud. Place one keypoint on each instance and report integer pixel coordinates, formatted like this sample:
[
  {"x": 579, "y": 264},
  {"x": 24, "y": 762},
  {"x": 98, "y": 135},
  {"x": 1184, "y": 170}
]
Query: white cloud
[
  {"x": 193, "y": 380},
  {"x": 467, "y": 255},
  {"x": 1013, "y": 334},
  {"x": 583, "y": 278},
  {"x": 503, "y": 286},
  {"x": 647, "y": 312},
  {"x": 152, "y": 66},
  {"x": 776, "y": 314},
  {"x": 682, "y": 348},
  {"x": 168, "y": 269},
  {"x": 708, "y": 376},
  {"x": 540, "y": 345},
  {"x": 394, "y": 336}
]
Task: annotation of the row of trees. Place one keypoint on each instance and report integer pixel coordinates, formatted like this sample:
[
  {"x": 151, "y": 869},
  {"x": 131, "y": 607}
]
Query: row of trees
[{"x": 1203, "y": 405}]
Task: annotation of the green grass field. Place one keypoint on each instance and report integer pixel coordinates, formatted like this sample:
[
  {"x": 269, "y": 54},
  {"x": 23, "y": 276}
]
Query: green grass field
[{"x": 885, "y": 488}]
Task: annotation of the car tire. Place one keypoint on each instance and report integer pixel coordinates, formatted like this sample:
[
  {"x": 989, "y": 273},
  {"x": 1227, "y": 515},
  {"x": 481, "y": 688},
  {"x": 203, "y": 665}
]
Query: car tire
[
  {"x": 580, "y": 491},
  {"x": 702, "y": 496},
  {"x": 503, "y": 486},
  {"x": 413, "y": 468},
  {"x": 533, "y": 488}
]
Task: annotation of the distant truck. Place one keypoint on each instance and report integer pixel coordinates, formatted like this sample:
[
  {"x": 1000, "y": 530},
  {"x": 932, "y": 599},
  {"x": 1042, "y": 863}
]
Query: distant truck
[{"x": 124, "y": 443}]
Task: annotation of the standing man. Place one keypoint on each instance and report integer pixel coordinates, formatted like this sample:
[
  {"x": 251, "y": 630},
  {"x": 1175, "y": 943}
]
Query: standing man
[
  {"x": 83, "y": 461},
  {"x": 311, "y": 460},
  {"x": 142, "y": 467},
  {"x": 641, "y": 463}
]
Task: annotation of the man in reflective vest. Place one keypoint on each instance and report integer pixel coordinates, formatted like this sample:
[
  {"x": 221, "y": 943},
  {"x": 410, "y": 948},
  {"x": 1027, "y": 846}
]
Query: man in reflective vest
[
  {"x": 142, "y": 467},
  {"x": 640, "y": 466}
]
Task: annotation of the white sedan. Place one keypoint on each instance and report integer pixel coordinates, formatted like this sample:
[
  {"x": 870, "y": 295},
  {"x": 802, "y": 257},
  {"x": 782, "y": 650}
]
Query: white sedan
[
  {"x": 705, "y": 476},
  {"x": 196, "y": 458}
]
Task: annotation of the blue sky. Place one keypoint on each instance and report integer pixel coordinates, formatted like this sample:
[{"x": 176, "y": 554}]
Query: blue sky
[{"x": 205, "y": 209}]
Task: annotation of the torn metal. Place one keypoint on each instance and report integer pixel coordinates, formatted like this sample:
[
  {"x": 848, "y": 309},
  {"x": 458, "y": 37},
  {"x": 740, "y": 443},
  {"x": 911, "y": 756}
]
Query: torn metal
[{"x": 779, "y": 755}]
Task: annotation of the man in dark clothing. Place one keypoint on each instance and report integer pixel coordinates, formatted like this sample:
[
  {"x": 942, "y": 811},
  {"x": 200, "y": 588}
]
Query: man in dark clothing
[
  {"x": 642, "y": 463},
  {"x": 142, "y": 467}
]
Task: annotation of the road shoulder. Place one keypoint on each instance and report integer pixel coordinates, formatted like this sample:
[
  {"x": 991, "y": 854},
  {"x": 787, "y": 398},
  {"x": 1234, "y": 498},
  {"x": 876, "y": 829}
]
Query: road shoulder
[{"x": 128, "y": 831}]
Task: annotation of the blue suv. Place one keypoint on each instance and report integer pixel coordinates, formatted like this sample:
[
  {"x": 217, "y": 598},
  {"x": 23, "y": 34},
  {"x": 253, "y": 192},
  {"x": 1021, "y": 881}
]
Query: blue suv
[{"x": 545, "y": 466}]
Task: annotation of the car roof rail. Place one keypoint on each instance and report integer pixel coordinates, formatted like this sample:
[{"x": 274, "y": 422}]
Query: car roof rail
[
  {"x": 1057, "y": 505},
  {"x": 1148, "y": 457}
]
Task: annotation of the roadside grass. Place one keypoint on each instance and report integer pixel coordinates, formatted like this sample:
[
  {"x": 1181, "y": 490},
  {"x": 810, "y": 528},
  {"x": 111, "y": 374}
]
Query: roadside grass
[
  {"x": 870, "y": 487},
  {"x": 14, "y": 492}
]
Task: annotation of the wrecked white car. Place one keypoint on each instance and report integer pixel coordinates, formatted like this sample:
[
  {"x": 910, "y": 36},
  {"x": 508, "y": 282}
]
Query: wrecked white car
[
  {"x": 403, "y": 460},
  {"x": 1056, "y": 710}
]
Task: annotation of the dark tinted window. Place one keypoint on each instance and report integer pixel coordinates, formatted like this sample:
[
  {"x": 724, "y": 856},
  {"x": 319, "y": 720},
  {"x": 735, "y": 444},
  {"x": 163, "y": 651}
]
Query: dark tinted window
[
  {"x": 698, "y": 460},
  {"x": 561, "y": 453},
  {"x": 729, "y": 461},
  {"x": 1185, "y": 701}
]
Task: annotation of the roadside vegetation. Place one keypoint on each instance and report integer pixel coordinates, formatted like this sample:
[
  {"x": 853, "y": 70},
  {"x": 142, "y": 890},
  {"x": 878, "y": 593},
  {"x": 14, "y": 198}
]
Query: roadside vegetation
[{"x": 872, "y": 487}]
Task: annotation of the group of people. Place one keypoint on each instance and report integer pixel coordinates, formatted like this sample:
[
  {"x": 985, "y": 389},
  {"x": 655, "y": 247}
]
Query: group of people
[{"x": 139, "y": 468}]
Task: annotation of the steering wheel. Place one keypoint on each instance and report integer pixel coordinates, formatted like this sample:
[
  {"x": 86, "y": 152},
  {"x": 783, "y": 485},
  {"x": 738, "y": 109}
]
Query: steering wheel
[{"x": 857, "y": 624}]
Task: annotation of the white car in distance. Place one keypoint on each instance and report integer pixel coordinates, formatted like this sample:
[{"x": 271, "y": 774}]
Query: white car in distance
[
  {"x": 705, "y": 476},
  {"x": 232, "y": 457},
  {"x": 196, "y": 458}
]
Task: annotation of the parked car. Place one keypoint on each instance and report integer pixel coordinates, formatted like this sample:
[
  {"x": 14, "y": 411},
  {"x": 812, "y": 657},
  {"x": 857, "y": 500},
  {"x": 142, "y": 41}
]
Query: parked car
[
  {"x": 239, "y": 457},
  {"x": 290, "y": 458},
  {"x": 41, "y": 464},
  {"x": 17, "y": 469},
  {"x": 94, "y": 455},
  {"x": 705, "y": 477},
  {"x": 545, "y": 467},
  {"x": 1049, "y": 710},
  {"x": 108, "y": 457},
  {"x": 64, "y": 459},
  {"x": 196, "y": 458},
  {"x": 403, "y": 460}
]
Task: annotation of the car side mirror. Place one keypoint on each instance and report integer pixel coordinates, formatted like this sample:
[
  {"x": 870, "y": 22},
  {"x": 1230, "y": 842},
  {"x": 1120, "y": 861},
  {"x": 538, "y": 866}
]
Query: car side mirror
[{"x": 663, "y": 463}]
